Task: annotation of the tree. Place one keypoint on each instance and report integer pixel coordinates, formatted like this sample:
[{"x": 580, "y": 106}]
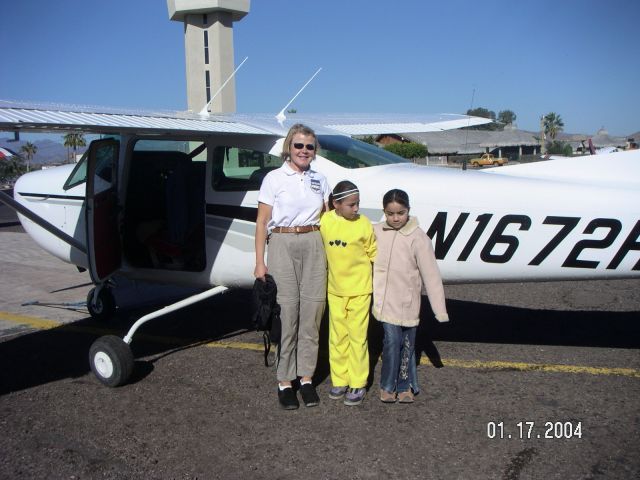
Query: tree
[
  {"x": 506, "y": 117},
  {"x": 558, "y": 147},
  {"x": 11, "y": 167},
  {"x": 552, "y": 124},
  {"x": 29, "y": 149},
  {"x": 408, "y": 150},
  {"x": 74, "y": 140},
  {"x": 483, "y": 112}
]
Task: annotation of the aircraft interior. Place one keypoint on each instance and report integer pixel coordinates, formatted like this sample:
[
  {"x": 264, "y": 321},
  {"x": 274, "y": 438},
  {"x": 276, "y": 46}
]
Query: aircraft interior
[{"x": 163, "y": 223}]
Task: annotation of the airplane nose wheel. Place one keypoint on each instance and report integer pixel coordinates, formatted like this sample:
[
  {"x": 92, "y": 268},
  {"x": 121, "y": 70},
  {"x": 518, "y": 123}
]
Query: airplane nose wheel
[
  {"x": 104, "y": 306},
  {"x": 111, "y": 360}
]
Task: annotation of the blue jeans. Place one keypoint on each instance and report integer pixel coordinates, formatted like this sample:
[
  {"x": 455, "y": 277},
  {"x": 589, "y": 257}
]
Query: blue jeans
[{"x": 399, "y": 372}]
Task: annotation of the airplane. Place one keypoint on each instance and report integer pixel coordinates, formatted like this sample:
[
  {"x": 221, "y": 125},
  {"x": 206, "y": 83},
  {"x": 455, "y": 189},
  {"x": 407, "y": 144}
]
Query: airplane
[{"x": 171, "y": 197}]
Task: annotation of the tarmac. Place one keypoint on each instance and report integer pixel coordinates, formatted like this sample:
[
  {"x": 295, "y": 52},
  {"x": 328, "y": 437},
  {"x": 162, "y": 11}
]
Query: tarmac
[{"x": 538, "y": 380}]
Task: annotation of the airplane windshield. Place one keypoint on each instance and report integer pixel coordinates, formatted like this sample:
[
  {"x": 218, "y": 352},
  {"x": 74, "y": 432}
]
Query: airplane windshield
[
  {"x": 350, "y": 153},
  {"x": 79, "y": 173}
]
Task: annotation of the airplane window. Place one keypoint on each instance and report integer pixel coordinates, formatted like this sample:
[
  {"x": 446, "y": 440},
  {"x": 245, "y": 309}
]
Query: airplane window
[
  {"x": 104, "y": 164},
  {"x": 79, "y": 173},
  {"x": 241, "y": 169},
  {"x": 350, "y": 153}
]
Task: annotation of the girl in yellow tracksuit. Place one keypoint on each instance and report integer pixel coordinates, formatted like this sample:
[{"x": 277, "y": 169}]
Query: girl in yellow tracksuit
[{"x": 350, "y": 246}]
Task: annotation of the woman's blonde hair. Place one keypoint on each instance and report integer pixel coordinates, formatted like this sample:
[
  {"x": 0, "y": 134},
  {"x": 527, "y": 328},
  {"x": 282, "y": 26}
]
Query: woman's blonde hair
[{"x": 297, "y": 128}]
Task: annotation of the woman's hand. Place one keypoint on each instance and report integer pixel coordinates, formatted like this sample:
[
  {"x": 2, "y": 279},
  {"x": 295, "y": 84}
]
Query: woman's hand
[
  {"x": 264, "y": 215},
  {"x": 260, "y": 271}
]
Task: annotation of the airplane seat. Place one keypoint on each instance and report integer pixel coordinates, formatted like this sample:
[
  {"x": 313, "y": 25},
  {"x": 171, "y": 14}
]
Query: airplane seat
[
  {"x": 196, "y": 203},
  {"x": 156, "y": 223},
  {"x": 258, "y": 175}
]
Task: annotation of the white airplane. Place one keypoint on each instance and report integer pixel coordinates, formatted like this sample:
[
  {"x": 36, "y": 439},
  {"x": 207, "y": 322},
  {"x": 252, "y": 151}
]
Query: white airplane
[{"x": 172, "y": 198}]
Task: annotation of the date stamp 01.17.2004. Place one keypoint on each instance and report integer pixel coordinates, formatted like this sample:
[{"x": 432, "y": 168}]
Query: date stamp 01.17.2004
[{"x": 525, "y": 430}]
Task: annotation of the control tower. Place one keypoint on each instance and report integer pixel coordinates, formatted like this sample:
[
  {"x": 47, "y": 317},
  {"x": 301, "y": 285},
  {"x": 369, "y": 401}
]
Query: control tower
[{"x": 208, "y": 44}]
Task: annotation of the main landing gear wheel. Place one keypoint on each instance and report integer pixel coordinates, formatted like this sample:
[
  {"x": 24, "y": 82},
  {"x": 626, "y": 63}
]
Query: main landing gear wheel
[
  {"x": 104, "y": 306},
  {"x": 111, "y": 360}
]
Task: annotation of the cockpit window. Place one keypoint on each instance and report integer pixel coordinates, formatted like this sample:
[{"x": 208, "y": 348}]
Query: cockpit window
[
  {"x": 79, "y": 173},
  {"x": 350, "y": 153},
  {"x": 237, "y": 169}
]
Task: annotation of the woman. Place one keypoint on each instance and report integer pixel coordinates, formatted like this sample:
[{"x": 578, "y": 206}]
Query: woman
[{"x": 290, "y": 202}]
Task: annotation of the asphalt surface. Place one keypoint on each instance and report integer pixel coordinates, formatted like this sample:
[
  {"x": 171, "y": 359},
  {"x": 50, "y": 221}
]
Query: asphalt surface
[{"x": 562, "y": 356}]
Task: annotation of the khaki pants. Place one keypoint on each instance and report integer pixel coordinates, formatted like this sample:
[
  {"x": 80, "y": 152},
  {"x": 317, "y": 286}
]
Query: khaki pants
[{"x": 298, "y": 265}]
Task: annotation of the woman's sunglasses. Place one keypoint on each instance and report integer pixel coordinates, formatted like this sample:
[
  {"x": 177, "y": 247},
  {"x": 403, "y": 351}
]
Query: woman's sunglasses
[{"x": 300, "y": 146}]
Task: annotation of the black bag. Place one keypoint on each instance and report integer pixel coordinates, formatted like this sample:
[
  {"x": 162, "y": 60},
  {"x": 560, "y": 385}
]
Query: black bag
[{"x": 266, "y": 313}]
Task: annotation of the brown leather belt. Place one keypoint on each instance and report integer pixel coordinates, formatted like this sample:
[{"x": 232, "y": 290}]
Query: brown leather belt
[{"x": 303, "y": 229}]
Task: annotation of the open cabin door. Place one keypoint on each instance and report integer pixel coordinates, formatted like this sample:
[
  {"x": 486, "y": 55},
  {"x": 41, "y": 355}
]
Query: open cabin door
[{"x": 103, "y": 239}]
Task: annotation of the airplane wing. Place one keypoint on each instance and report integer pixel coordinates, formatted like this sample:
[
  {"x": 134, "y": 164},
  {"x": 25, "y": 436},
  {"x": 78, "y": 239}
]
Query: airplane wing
[
  {"x": 380, "y": 123},
  {"x": 57, "y": 117},
  {"x": 39, "y": 117}
]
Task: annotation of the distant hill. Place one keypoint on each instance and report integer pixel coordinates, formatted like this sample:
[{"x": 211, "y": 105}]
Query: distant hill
[{"x": 49, "y": 151}]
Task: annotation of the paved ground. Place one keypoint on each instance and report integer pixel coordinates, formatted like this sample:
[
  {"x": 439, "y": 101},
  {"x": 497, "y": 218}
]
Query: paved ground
[{"x": 564, "y": 356}]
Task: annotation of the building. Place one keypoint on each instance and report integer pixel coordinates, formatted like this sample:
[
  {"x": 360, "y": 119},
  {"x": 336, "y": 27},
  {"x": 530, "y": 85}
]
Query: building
[
  {"x": 208, "y": 43},
  {"x": 580, "y": 142},
  {"x": 445, "y": 145}
]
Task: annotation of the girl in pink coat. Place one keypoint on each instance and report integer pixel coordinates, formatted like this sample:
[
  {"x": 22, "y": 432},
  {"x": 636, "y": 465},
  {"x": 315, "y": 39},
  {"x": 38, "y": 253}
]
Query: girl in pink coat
[{"x": 405, "y": 264}]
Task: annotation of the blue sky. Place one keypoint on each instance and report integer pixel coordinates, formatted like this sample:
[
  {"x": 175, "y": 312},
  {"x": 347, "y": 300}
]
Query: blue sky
[{"x": 576, "y": 58}]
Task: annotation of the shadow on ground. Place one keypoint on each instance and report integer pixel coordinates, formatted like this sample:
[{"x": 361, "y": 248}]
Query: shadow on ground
[{"x": 45, "y": 356}]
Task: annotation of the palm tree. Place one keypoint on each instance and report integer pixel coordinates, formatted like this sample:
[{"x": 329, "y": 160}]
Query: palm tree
[
  {"x": 74, "y": 140},
  {"x": 29, "y": 149},
  {"x": 552, "y": 124}
]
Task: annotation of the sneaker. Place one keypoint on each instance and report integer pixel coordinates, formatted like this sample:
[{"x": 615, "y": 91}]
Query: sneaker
[
  {"x": 405, "y": 397},
  {"x": 354, "y": 396},
  {"x": 336, "y": 393},
  {"x": 387, "y": 397},
  {"x": 309, "y": 395},
  {"x": 288, "y": 399}
]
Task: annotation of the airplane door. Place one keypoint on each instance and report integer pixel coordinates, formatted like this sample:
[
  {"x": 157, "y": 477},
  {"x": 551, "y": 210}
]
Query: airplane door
[{"x": 103, "y": 239}]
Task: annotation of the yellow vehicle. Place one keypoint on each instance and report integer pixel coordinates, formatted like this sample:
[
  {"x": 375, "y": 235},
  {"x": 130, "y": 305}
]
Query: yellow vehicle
[{"x": 488, "y": 159}]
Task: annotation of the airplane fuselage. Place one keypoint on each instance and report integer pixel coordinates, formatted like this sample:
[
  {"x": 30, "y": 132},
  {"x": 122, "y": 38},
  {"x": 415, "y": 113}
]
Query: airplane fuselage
[{"x": 485, "y": 227}]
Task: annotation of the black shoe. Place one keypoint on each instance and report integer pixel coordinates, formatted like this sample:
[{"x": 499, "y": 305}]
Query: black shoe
[
  {"x": 309, "y": 395},
  {"x": 288, "y": 399}
]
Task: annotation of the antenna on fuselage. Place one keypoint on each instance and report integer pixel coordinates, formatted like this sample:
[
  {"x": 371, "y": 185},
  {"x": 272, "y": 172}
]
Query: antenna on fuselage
[
  {"x": 281, "y": 116},
  {"x": 205, "y": 111},
  {"x": 466, "y": 136}
]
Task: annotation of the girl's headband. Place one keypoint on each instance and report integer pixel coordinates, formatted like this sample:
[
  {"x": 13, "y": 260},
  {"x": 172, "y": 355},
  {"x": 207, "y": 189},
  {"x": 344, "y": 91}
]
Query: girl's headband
[{"x": 345, "y": 194}]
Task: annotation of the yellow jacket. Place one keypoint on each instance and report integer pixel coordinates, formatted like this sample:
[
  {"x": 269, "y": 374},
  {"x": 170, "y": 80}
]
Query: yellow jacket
[{"x": 351, "y": 247}]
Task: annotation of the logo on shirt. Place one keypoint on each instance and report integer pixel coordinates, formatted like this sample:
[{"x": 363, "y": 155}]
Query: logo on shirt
[
  {"x": 337, "y": 243},
  {"x": 315, "y": 186}
]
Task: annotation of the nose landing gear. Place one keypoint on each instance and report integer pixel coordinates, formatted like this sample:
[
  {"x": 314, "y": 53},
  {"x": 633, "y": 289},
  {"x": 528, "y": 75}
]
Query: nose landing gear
[{"x": 101, "y": 303}]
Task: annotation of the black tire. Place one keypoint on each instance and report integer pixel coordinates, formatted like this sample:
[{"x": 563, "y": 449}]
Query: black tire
[
  {"x": 495, "y": 164},
  {"x": 111, "y": 360},
  {"x": 105, "y": 305}
]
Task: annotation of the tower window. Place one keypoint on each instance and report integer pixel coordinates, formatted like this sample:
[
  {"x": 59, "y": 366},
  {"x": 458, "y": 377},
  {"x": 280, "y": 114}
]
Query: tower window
[
  {"x": 207, "y": 84},
  {"x": 206, "y": 47}
]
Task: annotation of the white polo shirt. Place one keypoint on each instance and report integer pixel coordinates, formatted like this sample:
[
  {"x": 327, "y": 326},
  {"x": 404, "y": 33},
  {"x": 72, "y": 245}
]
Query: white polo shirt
[{"x": 296, "y": 198}]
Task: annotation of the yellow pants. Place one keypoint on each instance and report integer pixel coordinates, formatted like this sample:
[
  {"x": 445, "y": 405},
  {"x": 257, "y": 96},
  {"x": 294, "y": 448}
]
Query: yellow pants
[{"x": 348, "y": 346}]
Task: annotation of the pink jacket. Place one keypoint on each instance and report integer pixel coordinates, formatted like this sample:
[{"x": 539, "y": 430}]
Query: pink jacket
[{"x": 405, "y": 265}]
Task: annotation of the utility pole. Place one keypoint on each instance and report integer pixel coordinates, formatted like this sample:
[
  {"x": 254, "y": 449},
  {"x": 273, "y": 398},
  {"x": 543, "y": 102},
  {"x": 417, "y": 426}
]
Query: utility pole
[{"x": 542, "y": 146}]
